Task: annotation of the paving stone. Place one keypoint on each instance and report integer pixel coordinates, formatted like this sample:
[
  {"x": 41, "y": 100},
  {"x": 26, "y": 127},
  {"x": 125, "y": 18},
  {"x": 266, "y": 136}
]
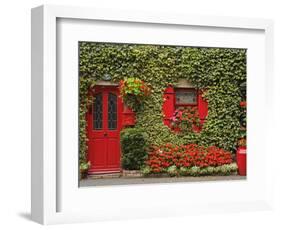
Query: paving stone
[{"x": 143, "y": 180}]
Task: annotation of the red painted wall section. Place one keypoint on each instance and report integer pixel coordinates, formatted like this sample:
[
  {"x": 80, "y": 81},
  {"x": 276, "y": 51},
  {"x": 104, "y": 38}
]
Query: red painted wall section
[
  {"x": 168, "y": 104},
  {"x": 128, "y": 116}
]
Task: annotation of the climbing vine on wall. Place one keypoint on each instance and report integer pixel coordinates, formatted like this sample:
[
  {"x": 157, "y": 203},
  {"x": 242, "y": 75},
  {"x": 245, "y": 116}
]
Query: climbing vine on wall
[
  {"x": 85, "y": 101},
  {"x": 217, "y": 71}
]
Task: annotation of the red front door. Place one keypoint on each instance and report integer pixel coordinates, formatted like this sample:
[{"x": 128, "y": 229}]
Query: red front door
[{"x": 104, "y": 124}]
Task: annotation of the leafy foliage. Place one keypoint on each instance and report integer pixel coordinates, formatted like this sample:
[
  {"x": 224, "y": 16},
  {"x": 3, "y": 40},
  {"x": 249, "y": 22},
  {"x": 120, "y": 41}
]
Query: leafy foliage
[
  {"x": 219, "y": 71},
  {"x": 85, "y": 101},
  {"x": 134, "y": 148},
  {"x": 133, "y": 91},
  {"x": 195, "y": 171},
  {"x": 85, "y": 166}
]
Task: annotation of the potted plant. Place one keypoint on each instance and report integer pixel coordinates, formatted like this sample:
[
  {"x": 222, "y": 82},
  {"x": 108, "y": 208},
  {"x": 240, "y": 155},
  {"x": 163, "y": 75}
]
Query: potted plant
[
  {"x": 84, "y": 167},
  {"x": 133, "y": 91}
]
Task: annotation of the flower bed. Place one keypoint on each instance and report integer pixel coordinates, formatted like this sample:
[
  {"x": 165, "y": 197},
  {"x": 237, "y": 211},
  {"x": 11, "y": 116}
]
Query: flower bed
[{"x": 189, "y": 159}]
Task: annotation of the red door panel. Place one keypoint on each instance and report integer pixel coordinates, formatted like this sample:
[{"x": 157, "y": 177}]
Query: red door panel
[
  {"x": 113, "y": 160},
  {"x": 98, "y": 146},
  {"x": 104, "y": 126}
]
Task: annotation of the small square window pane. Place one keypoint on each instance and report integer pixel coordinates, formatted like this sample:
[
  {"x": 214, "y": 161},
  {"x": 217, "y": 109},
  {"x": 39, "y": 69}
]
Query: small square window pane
[{"x": 186, "y": 97}]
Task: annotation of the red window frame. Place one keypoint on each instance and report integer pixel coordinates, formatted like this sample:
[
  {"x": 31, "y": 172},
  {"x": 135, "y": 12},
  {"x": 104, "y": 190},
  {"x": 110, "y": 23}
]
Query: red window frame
[{"x": 186, "y": 90}]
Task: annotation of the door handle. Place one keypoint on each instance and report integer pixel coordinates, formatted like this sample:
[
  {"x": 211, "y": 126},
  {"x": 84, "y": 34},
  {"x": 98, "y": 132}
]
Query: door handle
[{"x": 105, "y": 134}]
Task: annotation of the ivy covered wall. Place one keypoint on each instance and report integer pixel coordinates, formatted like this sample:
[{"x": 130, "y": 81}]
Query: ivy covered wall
[{"x": 218, "y": 71}]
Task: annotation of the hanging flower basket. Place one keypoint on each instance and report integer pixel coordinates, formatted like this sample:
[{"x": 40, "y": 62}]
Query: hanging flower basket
[{"x": 133, "y": 92}]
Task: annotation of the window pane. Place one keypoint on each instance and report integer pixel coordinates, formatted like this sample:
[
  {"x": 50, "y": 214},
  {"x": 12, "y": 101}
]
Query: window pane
[
  {"x": 112, "y": 111},
  {"x": 186, "y": 97},
  {"x": 97, "y": 112}
]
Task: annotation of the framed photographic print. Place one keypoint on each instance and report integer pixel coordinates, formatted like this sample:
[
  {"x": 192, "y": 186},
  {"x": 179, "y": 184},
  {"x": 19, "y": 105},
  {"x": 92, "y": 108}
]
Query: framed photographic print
[{"x": 137, "y": 114}]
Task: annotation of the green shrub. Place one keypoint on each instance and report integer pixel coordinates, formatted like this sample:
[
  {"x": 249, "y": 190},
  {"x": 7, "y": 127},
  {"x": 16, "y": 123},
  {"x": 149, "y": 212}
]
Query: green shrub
[
  {"x": 229, "y": 169},
  {"x": 210, "y": 170},
  {"x": 195, "y": 171},
  {"x": 146, "y": 170},
  {"x": 223, "y": 170},
  {"x": 217, "y": 170},
  {"x": 134, "y": 148},
  {"x": 184, "y": 171},
  {"x": 172, "y": 170},
  {"x": 233, "y": 167},
  {"x": 203, "y": 172}
]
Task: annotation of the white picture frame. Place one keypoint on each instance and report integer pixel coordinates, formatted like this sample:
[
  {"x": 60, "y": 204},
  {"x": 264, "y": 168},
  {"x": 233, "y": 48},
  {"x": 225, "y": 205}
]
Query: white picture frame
[{"x": 49, "y": 190}]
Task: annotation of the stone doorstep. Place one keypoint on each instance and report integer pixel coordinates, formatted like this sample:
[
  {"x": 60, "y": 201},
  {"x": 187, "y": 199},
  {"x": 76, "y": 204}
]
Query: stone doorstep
[
  {"x": 131, "y": 173},
  {"x": 124, "y": 173},
  {"x": 104, "y": 176}
]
